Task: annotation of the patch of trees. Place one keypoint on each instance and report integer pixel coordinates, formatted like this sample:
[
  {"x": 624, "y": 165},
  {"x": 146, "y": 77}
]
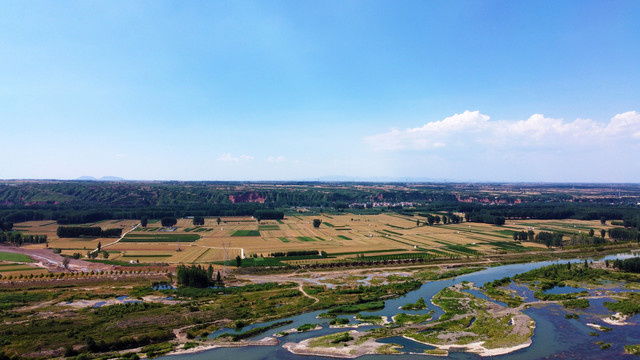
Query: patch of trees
[
  {"x": 196, "y": 276},
  {"x": 549, "y": 238},
  {"x": 168, "y": 221},
  {"x": 198, "y": 220},
  {"x": 296, "y": 253},
  {"x": 268, "y": 215},
  {"x": 16, "y": 238},
  {"x": 620, "y": 234},
  {"x": 524, "y": 235},
  {"x": 86, "y": 231},
  {"x": 628, "y": 265},
  {"x": 150, "y": 337}
]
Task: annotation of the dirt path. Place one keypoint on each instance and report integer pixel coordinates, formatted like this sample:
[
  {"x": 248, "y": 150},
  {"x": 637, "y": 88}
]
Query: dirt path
[
  {"x": 53, "y": 262},
  {"x": 121, "y": 237},
  {"x": 315, "y": 299}
]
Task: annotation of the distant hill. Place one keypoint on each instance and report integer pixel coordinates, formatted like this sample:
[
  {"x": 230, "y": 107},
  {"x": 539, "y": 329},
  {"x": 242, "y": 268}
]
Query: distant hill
[{"x": 104, "y": 178}]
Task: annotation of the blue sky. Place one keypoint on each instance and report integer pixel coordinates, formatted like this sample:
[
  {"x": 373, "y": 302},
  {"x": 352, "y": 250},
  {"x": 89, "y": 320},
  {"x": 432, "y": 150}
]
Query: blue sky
[{"x": 279, "y": 90}]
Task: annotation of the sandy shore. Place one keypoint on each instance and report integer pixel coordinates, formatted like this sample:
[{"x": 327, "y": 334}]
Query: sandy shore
[
  {"x": 617, "y": 319},
  {"x": 477, "y": 348},
  {"x": 268, "y": 341},
  {"x": 368, "y": 347},
  {"x": 106, "y": 302}
]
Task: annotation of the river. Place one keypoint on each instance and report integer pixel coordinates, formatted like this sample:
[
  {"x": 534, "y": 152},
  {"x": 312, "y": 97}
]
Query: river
[{"x": 554, "y": 337}]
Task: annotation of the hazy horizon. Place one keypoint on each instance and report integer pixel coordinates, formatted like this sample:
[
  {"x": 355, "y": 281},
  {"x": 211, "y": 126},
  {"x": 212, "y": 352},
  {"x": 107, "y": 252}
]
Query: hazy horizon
[{"x": 456, "y": 91}]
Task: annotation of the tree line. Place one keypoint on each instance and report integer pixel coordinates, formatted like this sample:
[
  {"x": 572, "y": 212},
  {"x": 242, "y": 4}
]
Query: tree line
[{"x": 87, "y": 231}]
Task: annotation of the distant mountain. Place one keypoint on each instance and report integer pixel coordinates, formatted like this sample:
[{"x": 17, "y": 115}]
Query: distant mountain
[
  {"x": 375, "y": 179},
  {"x": 104, "y": 178},
  {"x": 111, "y": 178}
]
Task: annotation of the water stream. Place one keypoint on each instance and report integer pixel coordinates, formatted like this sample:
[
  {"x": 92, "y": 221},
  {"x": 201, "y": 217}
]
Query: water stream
[{"x": 554, "y": 337}]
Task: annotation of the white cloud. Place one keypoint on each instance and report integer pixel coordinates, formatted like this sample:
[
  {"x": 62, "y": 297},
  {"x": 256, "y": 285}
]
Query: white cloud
[
  {"x": 276, "y": 159},
  {"x": 229, "y": 158},
  {"x": 474, "y": 128}
]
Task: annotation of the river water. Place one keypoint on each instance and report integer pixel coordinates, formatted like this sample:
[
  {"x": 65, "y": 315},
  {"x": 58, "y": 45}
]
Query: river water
[{"x": 555, "y": 337}]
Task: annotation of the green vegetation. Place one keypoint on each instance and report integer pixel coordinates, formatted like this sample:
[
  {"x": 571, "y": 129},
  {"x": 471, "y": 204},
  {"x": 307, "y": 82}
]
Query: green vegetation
[
  {"x": 305, "y": 238},
  {"x": 284, "y": 239},
  {"x": 632, "y": 349},
  {"x": 255, "y": 331},
  {"x": 626, "y": 306},
  {"x": 246, "y": 233},
  {"x": 268, "y": 227},
  {"x": 343, "y": 237},
  {"x": 306, "y": 327},
  {"x": 331, "y": 340},
  {"x": 339, "y": 321},
  {"x": 576, "y": 303},
  {"x": 405, "y": 319},
  {"x": 351, "y": 309},
  {"x": 373, "y": 319},
  {"x": 6, "y": 256},
  {"x": 419, "y": 305}
]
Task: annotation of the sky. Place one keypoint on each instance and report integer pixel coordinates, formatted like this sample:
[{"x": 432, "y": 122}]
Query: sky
[{"x": 513, "y": 91}]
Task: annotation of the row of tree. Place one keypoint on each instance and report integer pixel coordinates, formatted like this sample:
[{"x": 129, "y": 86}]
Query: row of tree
[
  {"x": 629, "y": 265},
  {"x": 296, "y": 253},
  {"x": 16, "y": 238},
  {"x": 87, "y": 231}
]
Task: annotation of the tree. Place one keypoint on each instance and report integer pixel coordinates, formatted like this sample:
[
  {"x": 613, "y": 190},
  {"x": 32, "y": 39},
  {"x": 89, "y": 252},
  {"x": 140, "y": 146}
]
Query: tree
[
  {"x": 591, "y": 232},
  {"x": 99, "y": 245},
  {"x": 210, "y": 271},
  {"x": 218, "y": 220},
  {"x": 168, "y": 221},
  {"x": 105, "y": 255},
  {"x": 603, "y": 232},
  {"x": 316, "y": 223},
  {"x": 515, "y": 236},
  {"x": 65, "y": 262},
  {"x": 238, "y": 261},
  {"x": 418, "y": 222},
  {"x": 499, "y": 220},
  {"x": 603, "y": 220},
  {"x": 218, "y": 278},
  {"x": 531, "y": 235},
  {"x": 198, "y": 220},
  {"x": 144, "y": 221}
]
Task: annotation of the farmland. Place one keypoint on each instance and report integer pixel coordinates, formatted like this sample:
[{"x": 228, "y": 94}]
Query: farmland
[{"x": 341, "y": 236}]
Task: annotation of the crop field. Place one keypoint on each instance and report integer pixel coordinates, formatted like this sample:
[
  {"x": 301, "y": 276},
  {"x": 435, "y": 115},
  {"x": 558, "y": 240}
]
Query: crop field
[
  {"x": 340, "y": 236},
  {"x": 8, "y": 268}
]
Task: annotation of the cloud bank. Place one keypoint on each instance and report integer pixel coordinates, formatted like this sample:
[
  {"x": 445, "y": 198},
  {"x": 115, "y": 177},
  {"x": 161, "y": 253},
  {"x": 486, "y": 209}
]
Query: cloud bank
[
  {"x": 227, "y": 157},
  {"x": 471, "y": 128}
]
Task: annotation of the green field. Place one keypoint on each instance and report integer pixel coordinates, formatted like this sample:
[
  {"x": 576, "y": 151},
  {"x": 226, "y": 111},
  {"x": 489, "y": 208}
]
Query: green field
[
  {"x": 5, "y": 256},
  {"x": 305, "y": 238},
  {"x": 246, "y": 233},
  {"x": 268, "y": 227}
]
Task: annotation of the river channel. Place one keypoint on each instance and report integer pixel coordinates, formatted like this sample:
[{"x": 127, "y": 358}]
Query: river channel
[{"x": 555, "y": 337}]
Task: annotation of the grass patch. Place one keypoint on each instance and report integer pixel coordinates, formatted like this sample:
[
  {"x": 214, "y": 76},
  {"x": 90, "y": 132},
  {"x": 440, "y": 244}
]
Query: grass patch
[
  {"x": 246, "y": 233},
  {"x": 576, "y": 303},
  {"x": 284, "y": 239},
  {"x": 268, "y": 227},
  {"x": 6, "y": 256},
  {"x": 328, "y": 224},
  {"x": 344, "y": 237},
  {"x": 351, "y": 309},
  {"x": 406, "y": 319},
  {"x": 305, "y": 238}
]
